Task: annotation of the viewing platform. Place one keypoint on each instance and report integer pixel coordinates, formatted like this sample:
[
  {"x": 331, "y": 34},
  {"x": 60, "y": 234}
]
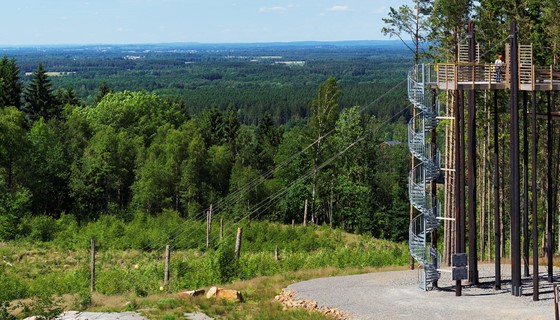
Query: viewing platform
[
  {"x": 466, "y": 75},
  {"x": 477, "y": 76}
]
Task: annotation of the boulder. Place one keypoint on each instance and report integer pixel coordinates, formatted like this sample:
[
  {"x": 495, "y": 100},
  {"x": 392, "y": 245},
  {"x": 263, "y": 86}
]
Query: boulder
[
  {"x": 212, "y": 292},
  {"x": 231, "y": 295},
  {"x": 192, "y": 293}
]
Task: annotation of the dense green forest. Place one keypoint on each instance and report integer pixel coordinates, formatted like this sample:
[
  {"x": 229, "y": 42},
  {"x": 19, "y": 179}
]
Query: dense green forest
[
  {"x": 276, "y": 78},
  {"x": 254, "y": 140}
]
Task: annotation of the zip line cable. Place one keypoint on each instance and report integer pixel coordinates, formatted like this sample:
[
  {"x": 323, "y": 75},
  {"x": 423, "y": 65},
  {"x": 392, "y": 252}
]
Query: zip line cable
[
  {"x": 268, "y": 202},
  {"x": 185, "y": 234},
  {"x": 238, "y": 194}
]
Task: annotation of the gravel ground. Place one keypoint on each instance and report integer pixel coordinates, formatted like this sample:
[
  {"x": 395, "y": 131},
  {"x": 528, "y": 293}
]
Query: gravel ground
[{"x": 396, "y": 295}]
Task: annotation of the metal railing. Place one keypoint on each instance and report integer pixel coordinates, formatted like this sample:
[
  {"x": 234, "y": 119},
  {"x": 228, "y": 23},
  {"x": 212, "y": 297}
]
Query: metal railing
[{"x": 420, "y": 79}]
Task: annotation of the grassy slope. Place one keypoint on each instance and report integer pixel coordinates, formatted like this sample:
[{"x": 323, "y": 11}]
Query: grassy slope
[{"x": 29, "y": 269}]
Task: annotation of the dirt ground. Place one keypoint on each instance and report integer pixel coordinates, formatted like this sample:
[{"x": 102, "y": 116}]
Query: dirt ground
[{"x": 396, "y": 295}]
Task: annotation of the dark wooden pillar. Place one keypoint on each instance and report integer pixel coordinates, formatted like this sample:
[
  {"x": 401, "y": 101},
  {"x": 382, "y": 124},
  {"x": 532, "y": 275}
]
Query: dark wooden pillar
[
  {"x": 525, "y": 189},
  {"x": 471, "y": 132},
  {"x": 514, "y": 162},
  {"x": 534, "y": 196},
  {"x": 550, "y": 219},
  {"x": 457, "y": 125},
  {"x": 433, "y": 184},
  {"x": 497, "y": 231}
]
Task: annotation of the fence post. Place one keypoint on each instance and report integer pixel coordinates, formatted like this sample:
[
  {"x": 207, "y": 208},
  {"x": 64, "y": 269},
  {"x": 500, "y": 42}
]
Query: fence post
[
  {"x": 166, "y": 271},
  {"x": 276, "y": 253},
  {"x": 305, "y": 214},
  {"x": 221, "y": 228},
  {"x": 92, "y": 265},
  {"x": 238, "y": 242},
  {"x": 208, "y": 225},
  {"x": 293, "y": 223}
]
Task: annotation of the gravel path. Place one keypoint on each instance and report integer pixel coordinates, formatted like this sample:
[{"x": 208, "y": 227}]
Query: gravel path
[{"x": 396, "y": 295}]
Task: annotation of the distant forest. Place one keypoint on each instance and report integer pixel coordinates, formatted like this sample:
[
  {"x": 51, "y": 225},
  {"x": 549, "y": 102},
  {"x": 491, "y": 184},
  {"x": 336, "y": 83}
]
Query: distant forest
[
  {"x": 253, "y": 78},
  {"x": 257, "y": 133}
]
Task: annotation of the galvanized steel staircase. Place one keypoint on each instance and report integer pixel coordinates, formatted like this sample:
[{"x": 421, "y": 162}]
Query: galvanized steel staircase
[{"x": 421, "y": 176}]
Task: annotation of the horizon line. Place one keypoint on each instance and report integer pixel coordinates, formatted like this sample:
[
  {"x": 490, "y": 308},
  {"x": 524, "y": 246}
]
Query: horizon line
[{"x": 191, "y": 43}]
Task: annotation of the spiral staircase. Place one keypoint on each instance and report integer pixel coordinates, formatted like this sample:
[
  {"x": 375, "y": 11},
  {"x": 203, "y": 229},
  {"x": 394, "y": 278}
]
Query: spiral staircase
[{"x": 424, "y": 172}]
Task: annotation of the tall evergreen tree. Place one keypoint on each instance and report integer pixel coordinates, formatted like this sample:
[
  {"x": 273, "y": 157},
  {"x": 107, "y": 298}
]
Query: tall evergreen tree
[
  {"x": 104, "y": 90},
  {"x": 39, "y": 98},
  {"x": 10, "y": 86},
  {"x": 447, "y": 24},
  {"x": 409, "y": 23}
]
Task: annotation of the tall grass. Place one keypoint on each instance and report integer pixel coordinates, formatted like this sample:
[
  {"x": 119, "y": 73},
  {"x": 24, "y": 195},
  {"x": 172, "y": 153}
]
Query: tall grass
[{"x": 130, "y": 254}]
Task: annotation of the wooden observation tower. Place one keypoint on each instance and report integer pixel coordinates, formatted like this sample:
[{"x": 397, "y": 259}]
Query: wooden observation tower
[{"x": 462, "y": 80}]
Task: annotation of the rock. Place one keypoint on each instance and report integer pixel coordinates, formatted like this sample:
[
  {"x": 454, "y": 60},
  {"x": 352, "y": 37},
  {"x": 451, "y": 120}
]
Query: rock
[
  {"x": 192, "y": 293},
  {"x": 197, "y": 316},
  {"x": 211, "y": 292},
  {"x": 289, "y": 300},
  {"x": 232, "y": 295}
]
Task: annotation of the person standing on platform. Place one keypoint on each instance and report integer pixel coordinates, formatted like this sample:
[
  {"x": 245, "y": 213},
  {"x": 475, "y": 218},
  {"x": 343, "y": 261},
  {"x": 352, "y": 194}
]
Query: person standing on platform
[{"x": 498, "y": 65}]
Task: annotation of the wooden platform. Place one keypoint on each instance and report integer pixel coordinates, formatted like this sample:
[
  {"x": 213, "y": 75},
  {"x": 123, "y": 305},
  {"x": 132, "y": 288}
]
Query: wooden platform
[{"x": 477, "y": 76}]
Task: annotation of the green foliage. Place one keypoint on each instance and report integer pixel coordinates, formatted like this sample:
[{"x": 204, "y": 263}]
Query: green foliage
[
  {"x": 10, "y": 85},
  {"x": 223, "y": 263},
  {"x": 40, "y": 101},
  {"x": 5, "y": 311},
  {"x": 82, "y": 300},
  {"x": 44, "y": 307},
  {"x": 128, "y": 264}
]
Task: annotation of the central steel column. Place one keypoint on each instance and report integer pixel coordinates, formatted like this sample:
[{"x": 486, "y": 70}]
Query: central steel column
[
  {"x": 471, "y": 132},
  {"x": 514, "y": 159}
]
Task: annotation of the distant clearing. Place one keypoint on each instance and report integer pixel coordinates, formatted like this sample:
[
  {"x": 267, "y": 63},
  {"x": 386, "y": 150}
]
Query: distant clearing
[{"x": 54, "y": 74}]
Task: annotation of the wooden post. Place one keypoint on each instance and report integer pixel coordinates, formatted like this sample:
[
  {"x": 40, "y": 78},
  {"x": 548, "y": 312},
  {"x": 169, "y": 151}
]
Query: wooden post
[
  {"x": 293, "y": 223},
  {"x": 166, "y": 272},
  {"x": 305, "y": 214},
  {"x": 92, "y": 266},
  {"x": 221, "y": 228},
  {"x": 208, "y": 226},
  {"x": 276, "y": 253},
  {"x": 238, "y": 242}
]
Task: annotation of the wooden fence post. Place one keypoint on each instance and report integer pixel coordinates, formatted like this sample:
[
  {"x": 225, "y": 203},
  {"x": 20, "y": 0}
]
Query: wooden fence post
[
  {"x": 221, "y": 228},
  {"x": 166, "y": 271},
  {"x": 276, "y": 257},
  {"x": 208, "y": 225},
  {"x": 305, "y": 214},
  {"x": 238, "y": 242},
  {"x": 92, "y": 266},
  {"x": 293, "y": 223}
]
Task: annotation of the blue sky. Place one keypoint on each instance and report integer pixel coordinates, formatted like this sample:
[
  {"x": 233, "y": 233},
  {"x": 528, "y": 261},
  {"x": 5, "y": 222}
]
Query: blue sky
[{"x": 35, "y": 22}]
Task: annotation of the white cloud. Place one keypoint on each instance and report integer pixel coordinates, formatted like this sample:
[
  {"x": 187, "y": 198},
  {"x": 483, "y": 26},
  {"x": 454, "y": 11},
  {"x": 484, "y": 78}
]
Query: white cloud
[
  {"x": 273, "y": 9},
  {"x": 380, "y": 10},
  {"x": 338, "y": 8}
]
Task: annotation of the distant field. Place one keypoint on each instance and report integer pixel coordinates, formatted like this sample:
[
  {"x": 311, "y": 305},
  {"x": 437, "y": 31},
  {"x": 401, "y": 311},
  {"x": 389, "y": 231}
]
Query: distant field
[{"x": 53, "y": 73}]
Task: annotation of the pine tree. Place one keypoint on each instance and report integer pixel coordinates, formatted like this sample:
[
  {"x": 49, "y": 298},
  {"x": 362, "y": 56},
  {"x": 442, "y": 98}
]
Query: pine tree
[
  {"x": 10, "y": 86},
  {"x": 39, "y": 98},
  {"x": 104, "y": 89}
]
